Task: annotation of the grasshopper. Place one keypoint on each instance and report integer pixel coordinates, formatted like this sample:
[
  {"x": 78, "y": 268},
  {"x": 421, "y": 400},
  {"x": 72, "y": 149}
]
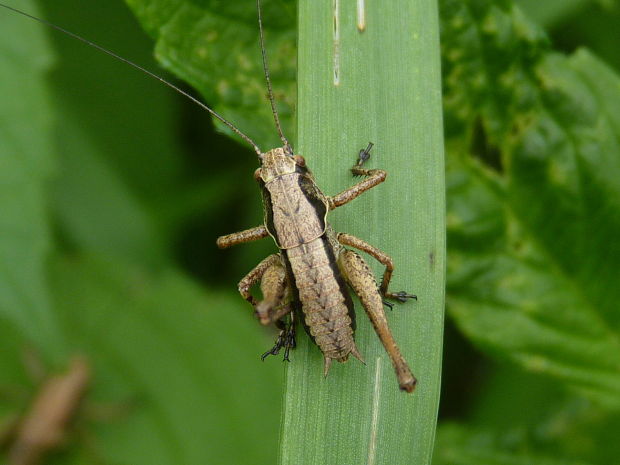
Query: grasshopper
[{"x": 309, "y": 278}]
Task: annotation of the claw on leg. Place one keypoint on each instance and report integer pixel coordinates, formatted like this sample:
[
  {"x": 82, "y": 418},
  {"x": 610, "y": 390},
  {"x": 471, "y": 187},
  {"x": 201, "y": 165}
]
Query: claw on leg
[
  {"x": 401, "y": 296},
  {"x": 286, "y": 339},
  {"x": 364, "y": 156},
  {"x": 275, "y": 350},
  {"x": 384, "y": 259}
]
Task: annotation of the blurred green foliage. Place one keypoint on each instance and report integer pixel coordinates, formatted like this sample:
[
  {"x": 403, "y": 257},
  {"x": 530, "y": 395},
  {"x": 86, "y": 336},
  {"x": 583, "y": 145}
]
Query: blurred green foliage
[
  {"x": 105, "y": 191},
  {"x": 533, "y": 196},
  {"x": 532, "y": 366}
]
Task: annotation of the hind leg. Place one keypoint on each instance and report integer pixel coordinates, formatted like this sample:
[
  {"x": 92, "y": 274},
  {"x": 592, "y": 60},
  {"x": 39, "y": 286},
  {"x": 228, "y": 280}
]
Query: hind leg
[{"x": 362, "y": 280}]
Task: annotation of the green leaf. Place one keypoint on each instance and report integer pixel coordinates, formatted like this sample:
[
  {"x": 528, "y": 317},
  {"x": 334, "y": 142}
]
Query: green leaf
[
  {"x": 181, "y": 360},
  {"x": 534, "y": 198},
  {"x": 213, "y": 46},
  {"x": 96, "y": 209},
  {"x": 114, "y": 156},
  {"x": 25, "y": 165},
  {"x": 388, "y": 93},
  {"x": 552, "y": 11},
  {"x": 537, "y": 413},
  {"x": 459, "y": 445}
]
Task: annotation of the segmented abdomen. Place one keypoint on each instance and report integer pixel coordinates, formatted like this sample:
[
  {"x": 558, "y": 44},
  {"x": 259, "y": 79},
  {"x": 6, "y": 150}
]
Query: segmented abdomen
[{"x": 325, "y": 300}]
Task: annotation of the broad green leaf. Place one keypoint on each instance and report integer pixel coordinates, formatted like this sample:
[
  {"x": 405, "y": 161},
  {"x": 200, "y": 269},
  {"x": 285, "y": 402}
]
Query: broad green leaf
[
  {"x": 96, "y": 210},
  {"x": 25, "y": 165},
  {"x": 551, "y": 12},
  {"x": 213, "y": 45},
  {"x": 130, "y": 121},
  {"x": 534, "y": 198},
  {"x": 553, "y": 422},
  {"x": 114, "y": 137},
  {"x": 386, "y": 91},
  {"x": 177, "y": 365},
  {"x": 459, "y": 445}
]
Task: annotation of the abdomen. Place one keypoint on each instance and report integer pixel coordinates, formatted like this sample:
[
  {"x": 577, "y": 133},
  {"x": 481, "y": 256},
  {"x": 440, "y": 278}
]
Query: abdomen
[{"x": 325, "y": 301}]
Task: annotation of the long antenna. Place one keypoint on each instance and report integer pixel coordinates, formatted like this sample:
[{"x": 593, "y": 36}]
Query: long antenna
[
  {"x": 144, "y": 70},
  {"x": 269, "y": 89}
]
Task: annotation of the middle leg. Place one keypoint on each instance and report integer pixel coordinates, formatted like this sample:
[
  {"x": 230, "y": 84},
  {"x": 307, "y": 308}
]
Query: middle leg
[
  {"x": 286, "y": 337},
  {"x": 381, "y": 257}
]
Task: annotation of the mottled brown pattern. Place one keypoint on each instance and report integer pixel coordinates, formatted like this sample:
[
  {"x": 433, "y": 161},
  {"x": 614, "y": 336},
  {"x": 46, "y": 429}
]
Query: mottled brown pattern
[
  {"x": 275, "y": 163},
  {"x": 294, "y": 216},
  {"x": 273, "y": 288},
  {"x": 374, "y": 178},
  {"x": 240, "y": 237},
  {"x": 324, "y": 307},
  {"x": 361, "y": 279},
  {"x": 255, "y": 276},
  {"x": 309, "y": 273},
  {"x": 381, "y": 257}
]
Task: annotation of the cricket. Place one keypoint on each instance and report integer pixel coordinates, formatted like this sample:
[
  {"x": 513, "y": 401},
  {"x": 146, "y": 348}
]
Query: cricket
[{"x": 311, "y": 276}]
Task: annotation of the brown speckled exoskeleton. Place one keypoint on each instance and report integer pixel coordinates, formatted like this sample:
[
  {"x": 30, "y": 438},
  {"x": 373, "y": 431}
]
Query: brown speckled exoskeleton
[{"x": 308, "y": 279}]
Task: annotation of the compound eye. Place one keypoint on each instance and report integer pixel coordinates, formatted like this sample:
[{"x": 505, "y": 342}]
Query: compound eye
[
  {"x": 257, "y": 174},
  {"x": 300, "y": 161}
]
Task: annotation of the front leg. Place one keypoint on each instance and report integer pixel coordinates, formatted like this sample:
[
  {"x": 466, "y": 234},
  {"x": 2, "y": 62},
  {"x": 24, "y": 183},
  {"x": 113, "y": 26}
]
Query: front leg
[
  {"x": 360, "y": 278},
  {"x": 374, "y": 177},
  {"x": 274, "y": 307},
  {"x": 274, "y": 289},
  {"x": 255, "y": 276},
  {"x": 381, "y": 257},
  {"x": 249, "y": 235},
  {"x": 272, "y": 276}
]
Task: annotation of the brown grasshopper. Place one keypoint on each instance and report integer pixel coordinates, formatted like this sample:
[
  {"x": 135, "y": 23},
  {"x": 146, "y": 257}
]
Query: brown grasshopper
[
  {"x": 44, "y": 426},
  {"x": 308, "y": 278}
]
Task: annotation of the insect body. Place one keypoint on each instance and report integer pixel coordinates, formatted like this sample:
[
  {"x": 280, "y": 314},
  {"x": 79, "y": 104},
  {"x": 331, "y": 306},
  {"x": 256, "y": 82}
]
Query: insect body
[{"x": 309, "y": 276}]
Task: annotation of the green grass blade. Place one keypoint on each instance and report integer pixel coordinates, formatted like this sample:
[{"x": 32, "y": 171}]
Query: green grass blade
[{"x": 388, "y": 92}]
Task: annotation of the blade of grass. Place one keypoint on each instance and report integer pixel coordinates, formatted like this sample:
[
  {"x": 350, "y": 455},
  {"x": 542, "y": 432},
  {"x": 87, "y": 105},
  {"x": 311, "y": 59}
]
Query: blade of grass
[{"x": 380, "y": 85}]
